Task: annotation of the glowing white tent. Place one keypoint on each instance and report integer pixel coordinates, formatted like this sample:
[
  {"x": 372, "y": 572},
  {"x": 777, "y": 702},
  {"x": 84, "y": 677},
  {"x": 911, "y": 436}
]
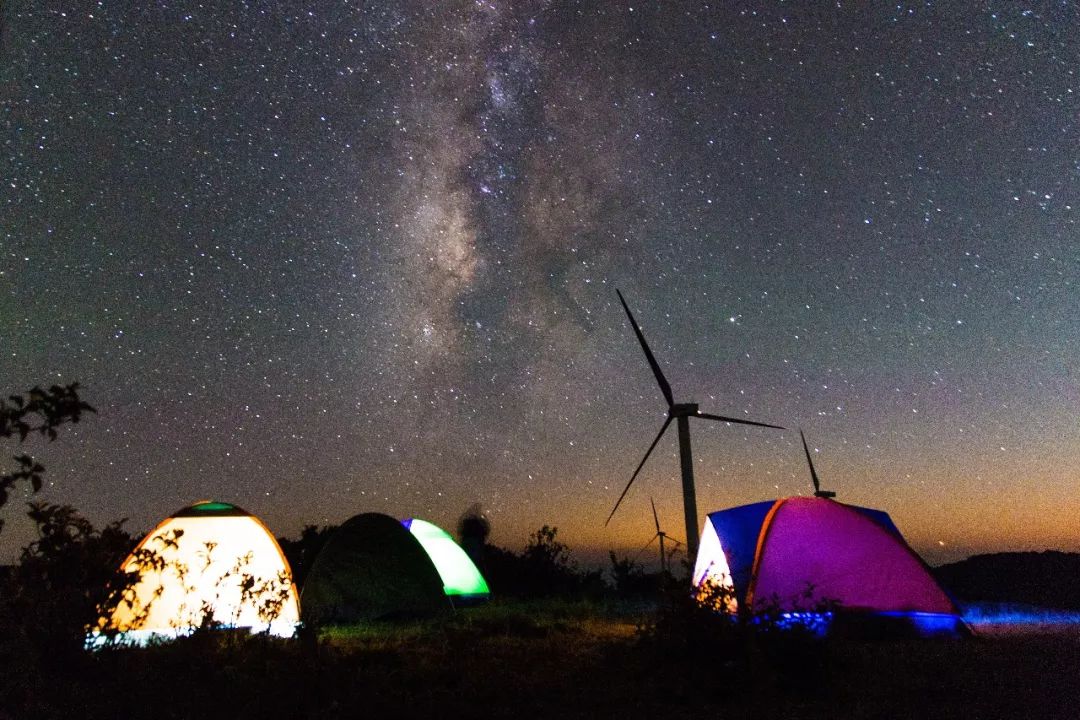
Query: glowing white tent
[{"x": 209, "y": 564}]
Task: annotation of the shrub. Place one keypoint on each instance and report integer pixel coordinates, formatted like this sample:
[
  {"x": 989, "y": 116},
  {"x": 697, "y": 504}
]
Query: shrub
[
  {"x": 543, "y": 569},
  {"x": 62, "y": 583},
  {"x": 709, "y": 628}
]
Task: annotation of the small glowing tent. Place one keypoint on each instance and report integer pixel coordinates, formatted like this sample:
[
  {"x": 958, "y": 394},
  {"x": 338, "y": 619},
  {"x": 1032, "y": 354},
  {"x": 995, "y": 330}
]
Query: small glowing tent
[
  {"x": 462, "y": 582},
  {"x": 772, "y": 554},
  {"x": 372, "y": 567},
  {"x": 209, "y": 564}
]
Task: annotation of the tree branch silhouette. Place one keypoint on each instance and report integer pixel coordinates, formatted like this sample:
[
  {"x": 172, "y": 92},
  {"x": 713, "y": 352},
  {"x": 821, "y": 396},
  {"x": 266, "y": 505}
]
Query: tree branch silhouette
[{"x": 36, "y": 412}]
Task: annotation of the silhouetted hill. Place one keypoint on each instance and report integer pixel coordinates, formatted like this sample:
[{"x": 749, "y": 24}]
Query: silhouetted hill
[{"x": 1048, "y": 579}]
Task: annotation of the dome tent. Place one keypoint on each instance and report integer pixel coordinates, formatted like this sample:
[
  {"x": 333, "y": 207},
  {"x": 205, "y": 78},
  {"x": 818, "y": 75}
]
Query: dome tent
[
  {"x": 215, "y": 563},
  {"x": 790, "y": 553},
  {"x": 462, "y": 581},
  {"x": 372, "y": 567}
]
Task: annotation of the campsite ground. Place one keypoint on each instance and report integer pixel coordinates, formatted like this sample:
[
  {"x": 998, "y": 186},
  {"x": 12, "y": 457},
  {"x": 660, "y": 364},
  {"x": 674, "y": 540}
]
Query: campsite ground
[{"x": 561, "y": 660}]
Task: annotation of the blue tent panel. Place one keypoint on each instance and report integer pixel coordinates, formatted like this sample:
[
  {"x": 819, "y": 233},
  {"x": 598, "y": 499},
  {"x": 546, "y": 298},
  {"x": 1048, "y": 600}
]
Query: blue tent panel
[
  {"x": 738, "y": 530},
  {"x": 881, "y": 518}
]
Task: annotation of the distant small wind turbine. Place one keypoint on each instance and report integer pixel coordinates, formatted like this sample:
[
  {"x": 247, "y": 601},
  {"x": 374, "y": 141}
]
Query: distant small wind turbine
[
  {"x": 818, "y": 492},
  {"x": 663, "y": 536},
  {"x": 682, "y": 412}
]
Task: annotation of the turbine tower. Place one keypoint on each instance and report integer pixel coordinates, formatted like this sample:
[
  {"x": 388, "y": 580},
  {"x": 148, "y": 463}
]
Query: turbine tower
[
  {"x": 663, "y": 536},
  {"x": 681, "y": 413},
  {"x": 818, "y": 492}
]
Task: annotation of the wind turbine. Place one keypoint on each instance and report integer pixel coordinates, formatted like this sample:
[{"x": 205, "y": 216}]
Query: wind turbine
[
  {"x": 663, "y": 536},
  {"x": 680, "y": 412},
  {"x": 818, "y": 492}
]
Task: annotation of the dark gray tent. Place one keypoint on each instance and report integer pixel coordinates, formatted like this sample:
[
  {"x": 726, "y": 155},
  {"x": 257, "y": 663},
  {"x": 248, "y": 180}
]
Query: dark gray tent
[{"x": 371, "y": 567}]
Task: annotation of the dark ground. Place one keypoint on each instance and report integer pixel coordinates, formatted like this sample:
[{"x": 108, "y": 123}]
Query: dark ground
[{"x": 559, "y": 661}]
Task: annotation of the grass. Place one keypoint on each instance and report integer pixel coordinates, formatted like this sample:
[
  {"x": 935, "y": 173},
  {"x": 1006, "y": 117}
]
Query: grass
[
  {"x": 558, "y": 660},
  {"x": 496, "y": 622}
]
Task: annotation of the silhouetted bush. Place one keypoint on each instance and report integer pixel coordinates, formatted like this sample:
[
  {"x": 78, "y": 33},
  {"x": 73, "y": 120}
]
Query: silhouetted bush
[
  {"x": 63, "y": 582},
  {"x": 630, "y": 581},
  {"x": 301, "y": 553},
  {"x": 709, "y": 628},
  {"x": 543, "y": 569},
  {"x": 60, "y": 588}
]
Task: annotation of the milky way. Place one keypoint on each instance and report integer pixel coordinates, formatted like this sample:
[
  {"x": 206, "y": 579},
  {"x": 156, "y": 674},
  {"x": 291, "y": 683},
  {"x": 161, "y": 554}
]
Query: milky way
[{"x": 329, "y": 257}]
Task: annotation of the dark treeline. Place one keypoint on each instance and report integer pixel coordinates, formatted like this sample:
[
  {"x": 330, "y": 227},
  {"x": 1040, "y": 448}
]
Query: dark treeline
[
  {"x": 1047, "y": 579},
  {"x": 543, "y": 568}
]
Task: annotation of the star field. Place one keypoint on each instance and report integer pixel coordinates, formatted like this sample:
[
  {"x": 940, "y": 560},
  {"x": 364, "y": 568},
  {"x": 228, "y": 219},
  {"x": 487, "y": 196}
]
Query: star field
[{"x": 330, "y": 257}]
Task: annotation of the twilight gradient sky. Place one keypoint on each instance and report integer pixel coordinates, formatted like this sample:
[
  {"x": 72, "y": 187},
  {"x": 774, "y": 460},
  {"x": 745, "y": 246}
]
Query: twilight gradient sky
[{"x": 328, "y": 257}]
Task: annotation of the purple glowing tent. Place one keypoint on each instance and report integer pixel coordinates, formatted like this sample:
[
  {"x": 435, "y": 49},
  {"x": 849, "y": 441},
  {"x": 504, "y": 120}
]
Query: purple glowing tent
[{"x": 769, "y": 554}]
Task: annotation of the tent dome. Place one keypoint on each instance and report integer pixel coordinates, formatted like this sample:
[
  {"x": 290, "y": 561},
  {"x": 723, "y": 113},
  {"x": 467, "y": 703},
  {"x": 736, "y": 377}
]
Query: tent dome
[
  {"x": 793, "y": 552},
  {"x": 372, "y": 567},
  {"x": 218, "y": 564}
]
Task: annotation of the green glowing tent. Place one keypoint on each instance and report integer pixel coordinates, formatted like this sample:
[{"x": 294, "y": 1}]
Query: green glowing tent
[
  {"x": 371, "y": 567},
  {"x": 462, "y": 582}
]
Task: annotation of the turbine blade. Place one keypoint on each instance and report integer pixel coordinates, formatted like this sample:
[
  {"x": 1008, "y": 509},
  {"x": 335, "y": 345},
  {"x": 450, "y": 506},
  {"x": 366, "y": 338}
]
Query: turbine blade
[
  {"x": 654, "y": 516},
  {"x": 645, "y": 547},
  {"x": 660, "y": 379},
  {"x": 813, "y": 473},
  {"x": 737, "y": 421},
  {"x": 640, "y": 465}
]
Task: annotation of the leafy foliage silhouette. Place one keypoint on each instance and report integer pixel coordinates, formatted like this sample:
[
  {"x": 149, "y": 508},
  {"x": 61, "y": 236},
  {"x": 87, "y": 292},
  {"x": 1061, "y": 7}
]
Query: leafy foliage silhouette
[
  {"x": 62, "y": 583},
  {"x": 543, "y": 569},
  {"x": 301, "y": 553},
  {"x": 630, "y": 579},
  {"x": 36, "y": 412},
  {"x": 779, "y": 644},
  {"x": 207, "y": 589}
]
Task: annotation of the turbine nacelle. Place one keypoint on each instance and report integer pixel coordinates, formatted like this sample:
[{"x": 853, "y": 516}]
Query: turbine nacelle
[{"x": 683, "y": 409}]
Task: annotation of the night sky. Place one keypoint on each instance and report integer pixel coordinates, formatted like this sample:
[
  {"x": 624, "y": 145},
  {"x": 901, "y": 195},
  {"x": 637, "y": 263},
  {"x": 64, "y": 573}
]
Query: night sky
[{"x": 318, "y": 258}]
